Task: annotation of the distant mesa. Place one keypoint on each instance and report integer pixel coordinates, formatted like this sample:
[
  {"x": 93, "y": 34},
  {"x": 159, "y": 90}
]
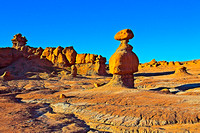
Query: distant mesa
[{"x": 124, "y": 62}]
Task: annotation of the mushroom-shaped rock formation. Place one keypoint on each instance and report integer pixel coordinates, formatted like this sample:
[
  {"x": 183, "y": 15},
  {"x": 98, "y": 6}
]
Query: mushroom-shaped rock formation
[
  {"x": 19, "y": 40},
  {"x": 124, "y": 62}
]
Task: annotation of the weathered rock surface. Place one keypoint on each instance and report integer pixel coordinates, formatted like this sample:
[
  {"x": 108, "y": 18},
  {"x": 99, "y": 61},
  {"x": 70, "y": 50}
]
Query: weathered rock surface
[
  {"x": 8, "y": 55},
  {"x": 73, "y": 71},
  {"x": 181, "y": 71},
  {"x": 70, "y": 54},
  {"x": 123, "y": 63},
  {"x": 7, "y": 76},
  {"x": 60, "y": 57},
  {"x": 125, "y": 34},
  {"x": 19, "y": 41}
]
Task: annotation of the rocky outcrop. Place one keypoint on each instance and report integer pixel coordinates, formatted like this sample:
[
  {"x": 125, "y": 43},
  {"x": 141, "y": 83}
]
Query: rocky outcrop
[
  {"x": 60, "y": 57},
  {"x": 181, "y": 71},
  {"x": 8, "y": 55},
  {"x": 80, "y": 58},
  {"x": 124, "y": 62},
  {"x": 87, "y": 64},
  {"x": 19, "y": 40},
  {"x": 73, "y": 71},
  {"x": 70, "y": 54}
]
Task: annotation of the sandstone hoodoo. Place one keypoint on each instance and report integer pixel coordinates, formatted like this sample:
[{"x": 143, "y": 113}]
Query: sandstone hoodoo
[
  {"x": 73, "y": 71},
  {"x": 124, "y": 62},
  {"x": 19, "y": 40}
]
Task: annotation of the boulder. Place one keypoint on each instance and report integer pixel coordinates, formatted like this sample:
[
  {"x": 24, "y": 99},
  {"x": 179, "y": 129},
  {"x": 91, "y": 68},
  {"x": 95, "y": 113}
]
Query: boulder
[
  {"x": 80, "y": 58},
  {"x": 90, "y": 58},
  {"x": 47, "y": 53},
  {"x": 61, "y": 59},
  {"x": 57, "y": 51},
  {"x": 70, "y": 54},
  {"x": 125, "y": 34}
]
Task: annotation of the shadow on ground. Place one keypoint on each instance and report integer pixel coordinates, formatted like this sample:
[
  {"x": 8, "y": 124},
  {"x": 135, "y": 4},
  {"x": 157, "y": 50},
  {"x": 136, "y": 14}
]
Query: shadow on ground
[
  {"x": 179, "y": 88},
  {"x": 153, "y": 74}
]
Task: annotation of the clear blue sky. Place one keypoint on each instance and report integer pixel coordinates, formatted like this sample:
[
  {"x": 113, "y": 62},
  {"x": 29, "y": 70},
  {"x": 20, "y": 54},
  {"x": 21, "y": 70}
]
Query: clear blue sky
[{"x": 164, "y": 29}]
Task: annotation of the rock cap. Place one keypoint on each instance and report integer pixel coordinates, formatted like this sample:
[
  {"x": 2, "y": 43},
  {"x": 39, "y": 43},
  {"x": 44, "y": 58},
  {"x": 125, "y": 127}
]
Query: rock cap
[{"x": 125, "y": 34}]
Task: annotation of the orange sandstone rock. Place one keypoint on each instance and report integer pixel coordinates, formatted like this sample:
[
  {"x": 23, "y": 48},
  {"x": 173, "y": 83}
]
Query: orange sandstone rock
[
  {"x": 181, "y": 71},
  {"x": 47, "y": 53},
  {"x": 70, "y": 54},
  {"x": 61, "y": 59},
  {"x": 57, "y": 51},
  {"x": 171, "y": 63},
  {"x": 80, "y": 58},
  {"x": 124, "y": 62},
  {"x": 73, "y": 71},
  {"x": 177, "y": 63},
  {"x": 62, "y": 96},
  {"x": 19, "y": 40},
  {"x": 90, "y": 58},
  {"x": 125, "y": 34}
]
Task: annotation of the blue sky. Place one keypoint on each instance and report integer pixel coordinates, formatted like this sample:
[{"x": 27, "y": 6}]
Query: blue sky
[{"x": 164, "y": 29}]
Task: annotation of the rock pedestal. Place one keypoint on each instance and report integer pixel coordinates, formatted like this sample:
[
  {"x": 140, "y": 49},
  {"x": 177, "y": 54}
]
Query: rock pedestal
[
  {"x": 124, "y": 62},
  {"x": 73, "y": 71}
]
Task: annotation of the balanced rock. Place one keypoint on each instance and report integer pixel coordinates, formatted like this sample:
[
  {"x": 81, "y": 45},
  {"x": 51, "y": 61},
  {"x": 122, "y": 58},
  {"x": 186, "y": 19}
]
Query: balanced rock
[
  {"x": 124, "y": 62},
  {"x": 125, "y": 34}
]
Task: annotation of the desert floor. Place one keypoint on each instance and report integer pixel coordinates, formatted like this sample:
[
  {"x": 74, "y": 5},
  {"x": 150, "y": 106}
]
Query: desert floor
[{"x": 160, "y": 102}]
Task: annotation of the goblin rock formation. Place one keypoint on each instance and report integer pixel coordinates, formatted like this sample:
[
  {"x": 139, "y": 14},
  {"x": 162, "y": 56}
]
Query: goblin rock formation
[
  {"x": 19, "y": 43},
  {"x": 19, "y": 40},
  {"x": 87, "y": 64},
  {"x": 124, "y": 62},
  {"x": 73, "y": 71}
]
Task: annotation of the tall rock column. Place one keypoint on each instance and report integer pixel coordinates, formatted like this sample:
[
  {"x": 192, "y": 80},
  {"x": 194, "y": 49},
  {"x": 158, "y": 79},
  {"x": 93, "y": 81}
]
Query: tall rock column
[{"x": 124, "y": 62}]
